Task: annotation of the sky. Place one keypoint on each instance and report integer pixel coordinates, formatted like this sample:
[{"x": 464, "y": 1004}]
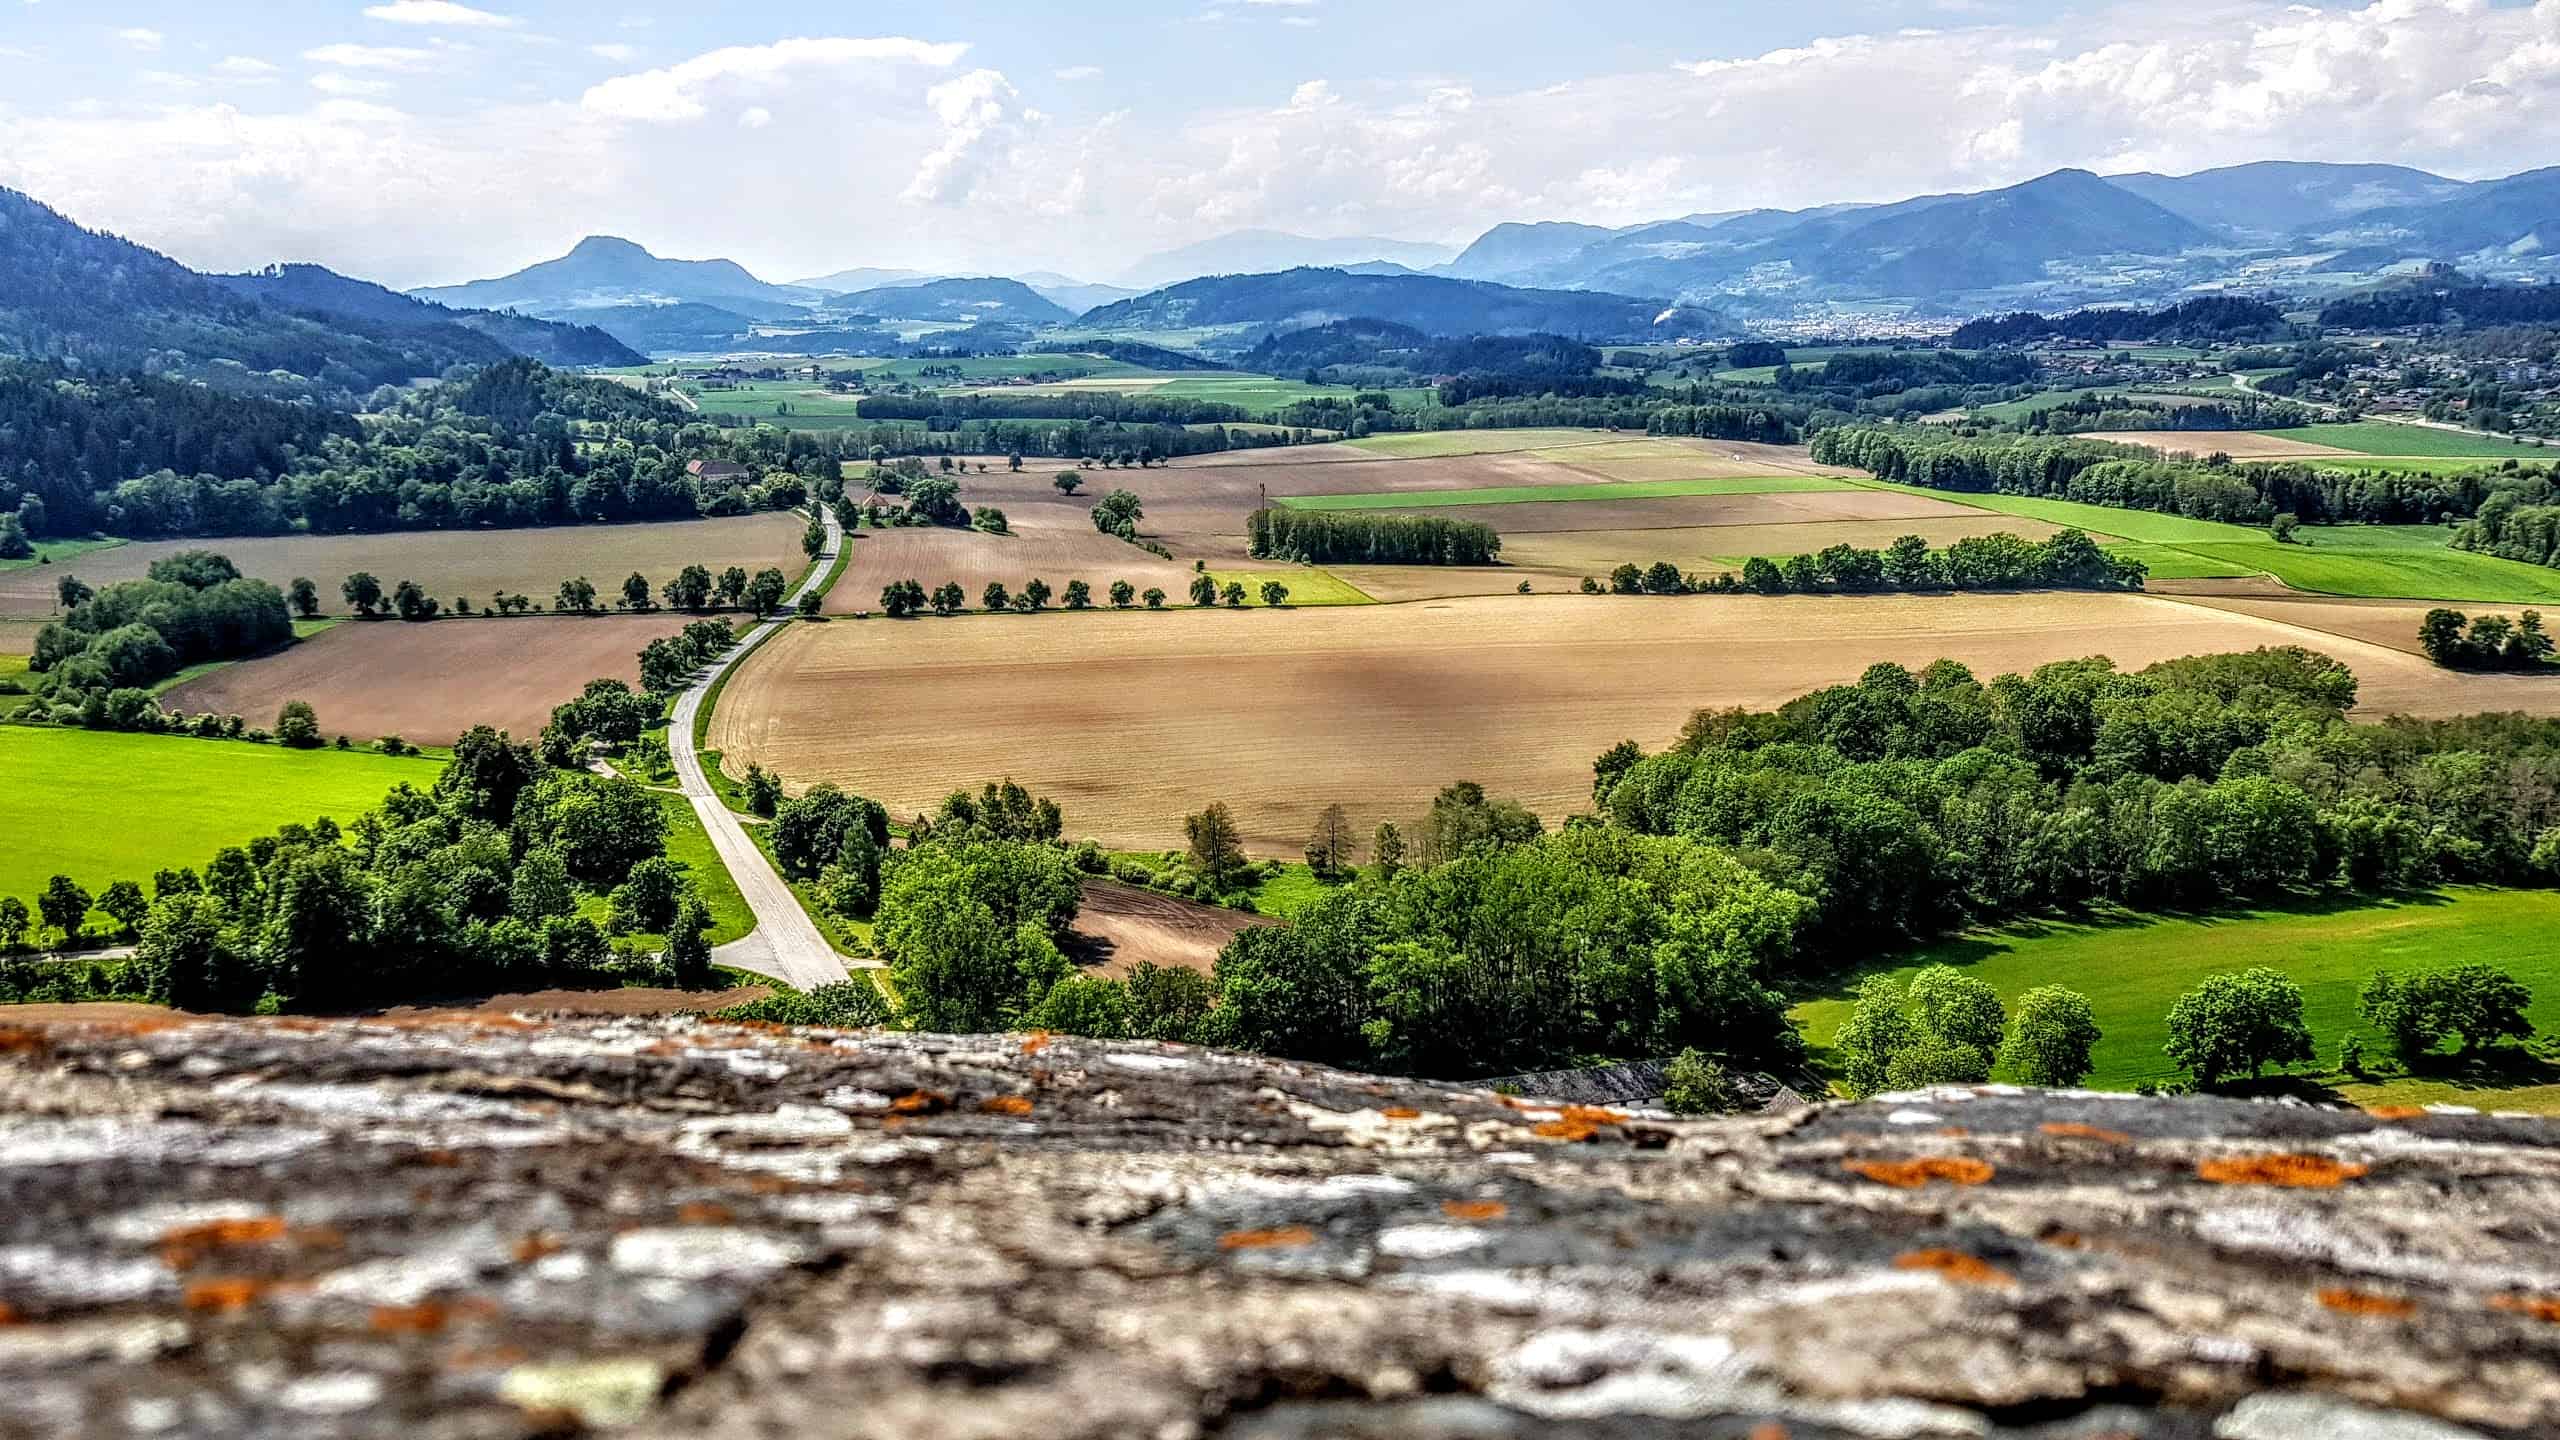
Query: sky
[{"x": 429, "y": 141}]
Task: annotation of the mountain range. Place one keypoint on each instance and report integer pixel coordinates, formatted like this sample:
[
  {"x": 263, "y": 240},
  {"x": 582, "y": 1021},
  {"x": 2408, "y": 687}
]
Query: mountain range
[
  {"x": 91, "y": 299},
  {"x": 1432, "y": 304},
  {"x": 604, "y": 270},
  {"x": 2067, "y": 237}
]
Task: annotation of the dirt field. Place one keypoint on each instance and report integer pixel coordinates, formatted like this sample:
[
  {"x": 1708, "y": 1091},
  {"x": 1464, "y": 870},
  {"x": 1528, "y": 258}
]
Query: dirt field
[
  {"x": 1121, "y": 925},
  {"x": 429, "y": 683},
  {"x": 2392, "y": 624},
  {"x": 1141, "y": 719},
  {"x": 471, "y": 564},
  {"x": 2239, "y": 445}
]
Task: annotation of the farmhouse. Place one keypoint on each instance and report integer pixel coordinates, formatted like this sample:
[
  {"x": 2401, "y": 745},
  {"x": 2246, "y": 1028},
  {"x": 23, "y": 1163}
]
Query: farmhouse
[{"x": 716, "y": 470}]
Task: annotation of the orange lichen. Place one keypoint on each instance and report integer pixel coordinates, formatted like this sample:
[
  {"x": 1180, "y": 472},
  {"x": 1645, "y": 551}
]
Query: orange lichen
[
  {"x": 2365, "y": 1302},
  {"x": 1035, "y": 1042},
  {"x": 705, "y": 1212},
  {"x": 8, "y": 1316},
  {"x": 2073, "y": 1130},
  {"x": 1914, "y": 1173},
  {"x": 535, "y": 1246},
  {"x": 1953, "y": 1132},
  {"x": 1474, "y": 1211},
  {"x": 1769, "y": 1430},
  {"x": 319, "y": 1237},
  {"x": 1955, "y": 1266},
  {"x": 2294, "y": 1172},
  {"x": 223, "y": 1297},
  {"x": 1577, "y": 1122},
  {"x": 1006, "y": 1105},
  {"x": 1401, "y": 1112},
  {"x": 424, "y": 1319},
  {"x": 2540, "y": 1307},
  {"x": 1286, "y": 1237},
  {"x": 186, "y": 1247},
  {"x": 23, "y": 1042},
  {"x": 2066, "y": 1239},
  {"x": 920, "y": 1102},
  {"x": 2395, "y": 1112}
]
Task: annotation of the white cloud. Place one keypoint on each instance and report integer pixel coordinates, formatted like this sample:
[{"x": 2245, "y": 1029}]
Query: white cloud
[
  {"x": 1079, "y": 72},
  {"x": 754, "y": 117},
  {"x": 682, "y": 92},
  {"x": 243, "y": 67},
  {"x": 141, "y": 38},
  {"x": 371, "y": 57},
  {"x": 618, "y": 53},
  {"x": 330, "y": 82},
  {"x": 977, "y": 118},
  {"x": 2444, "y": 84},
  {"x": 440, "y": 12}
]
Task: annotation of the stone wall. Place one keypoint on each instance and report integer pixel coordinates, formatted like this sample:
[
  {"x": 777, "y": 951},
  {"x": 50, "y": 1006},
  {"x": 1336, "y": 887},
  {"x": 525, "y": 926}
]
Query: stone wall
[{"x": 466, "y": 1226}]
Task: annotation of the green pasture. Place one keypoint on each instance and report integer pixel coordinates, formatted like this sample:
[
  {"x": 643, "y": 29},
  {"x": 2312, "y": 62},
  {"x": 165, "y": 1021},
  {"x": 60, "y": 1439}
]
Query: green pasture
[
  {"x": 2411, "y": 464},
  {"x": 2404, "y": 562},
  {"x": 2134, "y": 967},
  {"x": 100, "y": 806},
  {"x": 1306, "y": 587},
  {"x": 2376, "y": 437},
  {"x": 1536, "y": 494},
  {"x": 57, "y": 551}
]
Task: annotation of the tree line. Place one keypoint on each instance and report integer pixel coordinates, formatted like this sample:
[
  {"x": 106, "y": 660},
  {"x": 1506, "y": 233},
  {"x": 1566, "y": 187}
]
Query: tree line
[
  {"x": 1316, "y": 537},
  {"x": 471, "y": 886},
  {"x": 2098, "y": 473},
  {"x": 2070, "y": 560},
  {"x": 113, "y": 644},
  {"x": 2491, "y": 642}
]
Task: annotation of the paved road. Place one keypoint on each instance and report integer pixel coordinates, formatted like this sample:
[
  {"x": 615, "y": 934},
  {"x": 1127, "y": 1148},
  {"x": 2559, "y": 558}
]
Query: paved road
[{"x": 786, "y": 944}]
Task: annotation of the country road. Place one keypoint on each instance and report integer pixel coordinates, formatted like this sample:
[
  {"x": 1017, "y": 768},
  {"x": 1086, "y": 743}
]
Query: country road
[{"x": 786, "y": 944}]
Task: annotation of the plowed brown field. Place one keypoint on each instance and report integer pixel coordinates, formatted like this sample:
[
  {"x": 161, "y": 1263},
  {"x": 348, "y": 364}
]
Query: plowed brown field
[
  {"x": 1132, "y": 721},
  {"x": 429, "y": 683},
  {"x": 470, "y": 564}
]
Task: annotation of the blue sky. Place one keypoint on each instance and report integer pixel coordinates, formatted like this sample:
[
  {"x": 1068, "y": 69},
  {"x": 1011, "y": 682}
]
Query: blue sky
[{"x": 428, "y": 140}]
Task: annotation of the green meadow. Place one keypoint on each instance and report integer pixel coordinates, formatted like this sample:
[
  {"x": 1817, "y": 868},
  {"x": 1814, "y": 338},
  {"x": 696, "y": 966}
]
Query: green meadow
[
  {"x": 2134, "y": 967},
  {"x": 2410, "y": 562},
  {"x": 100, "y": 806},
  {"x": 1306, "y": 587},
  {"x": 2378, "y": 437}
]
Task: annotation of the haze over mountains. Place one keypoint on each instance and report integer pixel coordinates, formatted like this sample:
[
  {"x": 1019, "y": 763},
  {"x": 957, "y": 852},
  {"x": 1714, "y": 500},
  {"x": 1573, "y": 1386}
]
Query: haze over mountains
[{"x": 2061, "y": 240}]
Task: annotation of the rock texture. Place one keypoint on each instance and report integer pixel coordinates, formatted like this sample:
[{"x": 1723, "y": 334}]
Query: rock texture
[{"x": 474, "y": 1226}]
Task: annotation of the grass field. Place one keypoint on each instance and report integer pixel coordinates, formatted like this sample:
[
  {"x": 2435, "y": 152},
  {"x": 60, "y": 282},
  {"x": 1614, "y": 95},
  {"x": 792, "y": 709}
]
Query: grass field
[
  {"x": 57, "y": 551},
  {"x": 100, "y": 807},
  {"x": 2422, "y": 464},
  {"x": 2375, "y": 561},
  {"x": 2133, "y": 968},
  {"x": 1528, "y": 494},
  {"x": 2042, "y": 401},
  {"x": 2384, "y": 438},
  {"x": 1307, "y": 587}
]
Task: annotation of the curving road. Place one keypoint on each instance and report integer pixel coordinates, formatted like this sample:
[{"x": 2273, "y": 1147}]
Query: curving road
[{"x": 786, "y": 944}]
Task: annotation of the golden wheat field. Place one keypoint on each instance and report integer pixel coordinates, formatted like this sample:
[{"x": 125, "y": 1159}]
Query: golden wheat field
[{"x": 1131, "y": 721}]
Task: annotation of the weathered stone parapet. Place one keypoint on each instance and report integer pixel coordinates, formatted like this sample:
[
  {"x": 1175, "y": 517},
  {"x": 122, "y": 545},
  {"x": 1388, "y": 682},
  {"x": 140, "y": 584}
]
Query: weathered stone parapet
[{"x": 467, "y": 1226}]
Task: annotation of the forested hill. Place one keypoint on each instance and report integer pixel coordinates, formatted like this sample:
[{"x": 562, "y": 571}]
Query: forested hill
[
  {"x": 325, "y": 295},
  {"x": 92, "y": 299},
  {"x": 1429, "y": 303}
]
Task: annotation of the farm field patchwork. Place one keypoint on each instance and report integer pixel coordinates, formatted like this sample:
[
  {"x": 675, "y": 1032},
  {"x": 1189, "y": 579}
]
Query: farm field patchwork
[
  {"x": 101, "y": 806},
  {"x": 2134, "y": 967},
  {"x": 1424, "y": 444},
  {"x": 471, "y": 564},
  {"x": 1148, "y": 717},
  {"x": 429, "y": 682}
]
